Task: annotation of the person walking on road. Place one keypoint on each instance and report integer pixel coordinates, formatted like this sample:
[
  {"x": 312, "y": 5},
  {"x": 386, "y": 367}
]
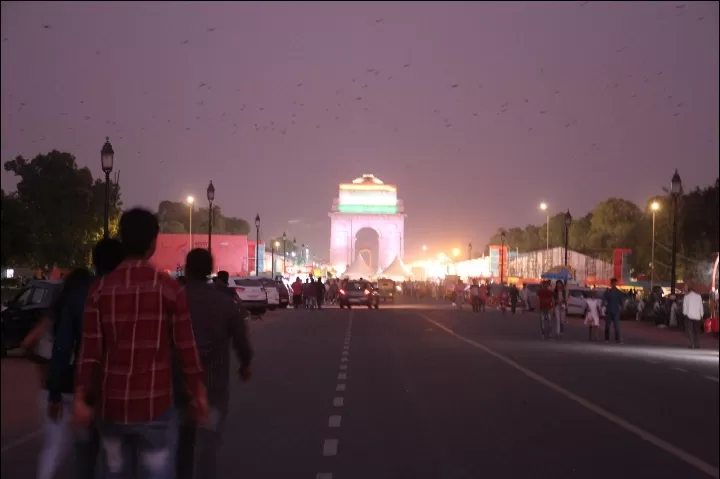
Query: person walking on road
[
  {"x": 560, "y": 302},
  {"x": 459, "y": 295},
  {"x": 136, "y": 322},
  {"x": 514, "y": 295},
  {"x": 614, "y": 299},
  {"x": 693, "y": 312},
  {"x": 545, "y": 306},
  {"x": 475, "y": 296},
  {"x": 483, "y": 296},
  {"x": 67, "y": 333},
  {"x": 297, "y": 289},
  {"x": 592, "y": 315},
  {"x": 319, "y": 293},
  {"x": 218, "y": 322}
]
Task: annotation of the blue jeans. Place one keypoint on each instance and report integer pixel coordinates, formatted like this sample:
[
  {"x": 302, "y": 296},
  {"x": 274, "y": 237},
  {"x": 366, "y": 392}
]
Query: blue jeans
[
  {"x": 545, "y": 323},
  {"x": 140, "y": 451},
  {"x": 613, "y": 318},
  {"x": 198, "y": 447}
]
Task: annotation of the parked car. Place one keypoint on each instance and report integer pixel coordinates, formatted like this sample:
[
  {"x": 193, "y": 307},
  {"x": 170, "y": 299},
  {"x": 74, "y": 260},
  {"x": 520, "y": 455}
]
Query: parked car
[
  {"x": 360, "y": 293},
  {"x": 252, "y": 293},
  {"x": 284, "y": 293},
  {"x": 25, "y": 310},
  {"x": 272, "y": 289},
  {"x": 532, "y": 298}
]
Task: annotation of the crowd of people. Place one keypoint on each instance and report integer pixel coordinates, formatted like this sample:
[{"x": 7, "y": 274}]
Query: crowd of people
[{"x": 135, "y": 366}]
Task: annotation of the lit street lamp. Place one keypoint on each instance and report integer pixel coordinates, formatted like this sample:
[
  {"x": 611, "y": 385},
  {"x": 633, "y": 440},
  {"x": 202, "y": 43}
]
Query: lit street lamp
[
  {"x": 655, "y": 206},
  {"x": 568, "y": 221},
  {"x": 284, "y": 253},
  {"x": 675, "y": 192},
  {"x": 107, "y": 158},
  {"x": 190, "y": 201},
  {"x": 544, "y": 208},
  {"x": 456, "y": 252},
  {"x": 211, "y": 198},
  {"x": 257, "y": 244},
  {"x": 275, "y": 246},
  {"x": 502, "y": 257}
]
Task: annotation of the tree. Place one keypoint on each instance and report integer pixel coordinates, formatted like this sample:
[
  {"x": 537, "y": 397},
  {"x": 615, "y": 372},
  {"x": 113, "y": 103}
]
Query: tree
[
  {"x": 174, "y": 217},
  {"x": 13, "y": 227},
  {"x": 62, "y": 210}
]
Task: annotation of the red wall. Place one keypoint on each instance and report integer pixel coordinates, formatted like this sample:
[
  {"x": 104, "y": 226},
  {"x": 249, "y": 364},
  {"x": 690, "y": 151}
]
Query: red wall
[{"x": 230, "y": 252}]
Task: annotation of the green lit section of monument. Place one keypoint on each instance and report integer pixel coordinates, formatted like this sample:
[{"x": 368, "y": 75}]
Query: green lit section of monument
[{"x": 368, "y": 209}]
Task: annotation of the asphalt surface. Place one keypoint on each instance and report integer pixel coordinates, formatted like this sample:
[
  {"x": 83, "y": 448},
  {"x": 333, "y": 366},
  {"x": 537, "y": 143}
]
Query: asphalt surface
[{"x": 424, "y": 391}]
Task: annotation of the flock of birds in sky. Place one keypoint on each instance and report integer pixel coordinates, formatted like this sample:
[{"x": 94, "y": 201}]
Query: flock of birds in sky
[{"x": 352, "y": 97}]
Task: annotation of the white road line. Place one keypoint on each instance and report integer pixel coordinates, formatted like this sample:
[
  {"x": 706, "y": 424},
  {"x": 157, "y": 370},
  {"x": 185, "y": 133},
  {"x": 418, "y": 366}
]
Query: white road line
[
  {"x": 343, "y": 366},
  {"x": 20, "y": 441},
  {"x": 330, "y": 447},
  {"x": 342, "y": 376},
  {"x": 340, "y": 387},
  {"x": 338, "y": 401},
  {"x": 711, "y": 378},
  {"x": 344, "y": 359},
  {"x": 323, "y": 475},
  {"x": 345, "y": 353},
  {"x": 675, "y": 368},
  {"x": 334, "y": 421},
  {"x": 617, "y": 420},
  {"x": 346, "y": 348}
]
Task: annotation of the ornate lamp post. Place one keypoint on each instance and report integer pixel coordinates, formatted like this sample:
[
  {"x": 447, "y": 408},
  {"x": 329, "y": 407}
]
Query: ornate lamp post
[
  {"x": 502, "y": 257},
  {"x": 655, "y": 206},
  {"x": 568, "y": 221},
  {"x": 191, "y": 202},
  {"x": 284, "y": 253},
  {"x": 211, "y": 198},
  {"x": 675, "y": 192},
  {"x": 107, "y": 158},
  {"x": 544, "y": 207},
  {"x": 257, "y": 244},
  {"x": 275, "y": 246}
]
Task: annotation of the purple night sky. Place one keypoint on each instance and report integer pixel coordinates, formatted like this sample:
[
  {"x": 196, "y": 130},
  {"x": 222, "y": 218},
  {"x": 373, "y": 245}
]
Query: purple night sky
[{"x": 477, "y": 111}]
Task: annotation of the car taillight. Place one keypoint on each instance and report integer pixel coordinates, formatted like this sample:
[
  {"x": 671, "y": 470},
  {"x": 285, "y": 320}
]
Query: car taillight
[
  {"x": 239, "y": 290},
  {"x": 367, "y": 291},
  {"x": 342, "y": 291}
]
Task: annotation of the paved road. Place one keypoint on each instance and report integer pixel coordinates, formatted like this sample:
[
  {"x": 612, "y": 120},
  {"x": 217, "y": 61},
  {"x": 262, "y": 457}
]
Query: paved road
[{"x": 425, "y": 392}]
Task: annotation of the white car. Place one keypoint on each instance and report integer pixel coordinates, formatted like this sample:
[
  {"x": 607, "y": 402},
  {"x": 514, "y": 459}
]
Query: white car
[
  {"x": 252, "y": 294},
  {"x": 273, "y": 295}
]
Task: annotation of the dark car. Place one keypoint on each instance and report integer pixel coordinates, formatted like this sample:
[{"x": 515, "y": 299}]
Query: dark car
[
  {"x": 360, "y": 293},
  {"x": 25, "y": 310}
]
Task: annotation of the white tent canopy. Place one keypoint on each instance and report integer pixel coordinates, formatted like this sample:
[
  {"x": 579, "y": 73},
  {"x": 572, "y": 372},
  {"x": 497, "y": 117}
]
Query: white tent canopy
[
  {"x": 359, "y": 269},
  {"x": 397, "y": 271}
]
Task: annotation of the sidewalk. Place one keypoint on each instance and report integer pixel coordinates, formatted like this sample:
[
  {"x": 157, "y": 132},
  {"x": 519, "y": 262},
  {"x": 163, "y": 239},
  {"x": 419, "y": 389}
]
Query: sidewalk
[{"x": 643, "y": 332}]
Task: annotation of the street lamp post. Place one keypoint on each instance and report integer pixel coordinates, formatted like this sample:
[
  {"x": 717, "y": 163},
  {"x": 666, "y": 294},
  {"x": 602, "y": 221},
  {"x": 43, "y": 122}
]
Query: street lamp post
[
  {"x": 211, "y": 198},
  {"x": 107, "y": 157},
  {"x": 655, "y": 206},
  {"x": 469, "y": 251},
  {"x": 284, "y": 253},
  {"x": 675, "y": 192},
  {"x": 190, "y": 201},
  {"x": 257, "y": 244},
  {"x": 502, "y": 257},
  {"x": 544, "y": 208},
  {"x": 568, "y": 221},
  {"x": 275, "y": 246}
]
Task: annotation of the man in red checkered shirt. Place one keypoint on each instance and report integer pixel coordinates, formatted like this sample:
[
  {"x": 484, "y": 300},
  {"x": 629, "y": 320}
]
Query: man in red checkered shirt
[{"x": 136, "y": 325}]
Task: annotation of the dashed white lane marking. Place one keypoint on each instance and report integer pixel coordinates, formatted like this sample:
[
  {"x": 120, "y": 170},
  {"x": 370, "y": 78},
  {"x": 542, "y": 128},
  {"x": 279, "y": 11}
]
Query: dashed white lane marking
[
  {"x": 334, "y": 421},
  {"x": 343, "y": 366},
  {"x": 711, "y": 378},
  {"x": 675, "y": 368},
  {"x": 323, "y": 475},
  {"x": 345, "y": 353},
  {"x": 330, "y": 447},
  {"x": 344, "y": 359},
  {"x": 338, "y": 401},
  {"x": 342, "y": 376},
  {"x": 346, "y": 348},
  {"x": 340, "y": 387},
  {"x": 641, "y": 433}
]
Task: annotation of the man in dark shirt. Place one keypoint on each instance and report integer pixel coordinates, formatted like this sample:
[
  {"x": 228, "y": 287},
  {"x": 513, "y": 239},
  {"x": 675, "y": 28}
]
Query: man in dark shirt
[
  {"x": 614, "y": 300},
  {"x": 217, "y": 321}
]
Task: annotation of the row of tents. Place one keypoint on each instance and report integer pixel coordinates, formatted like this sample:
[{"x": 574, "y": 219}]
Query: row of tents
[{"x": 396, "y": 271}]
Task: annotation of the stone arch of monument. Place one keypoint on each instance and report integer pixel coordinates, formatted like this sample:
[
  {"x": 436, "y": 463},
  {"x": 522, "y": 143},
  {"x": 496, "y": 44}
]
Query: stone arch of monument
[{"x": 367, "y": 202}]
